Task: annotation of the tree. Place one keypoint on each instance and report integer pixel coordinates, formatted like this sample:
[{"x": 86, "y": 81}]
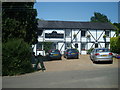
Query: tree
[
  {"x": 19, "y": 21},
  {"x": 115, "y": 44},
  {"x": 98, "y": 17},
  {"x": 16, "y": 57},
  {"x": 117, "y": 25}
]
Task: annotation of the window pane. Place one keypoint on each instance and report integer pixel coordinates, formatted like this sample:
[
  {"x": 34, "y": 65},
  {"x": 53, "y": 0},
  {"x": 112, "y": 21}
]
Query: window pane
[
  {"x": 107, "y": 33},
  {"x": 39, "y": 46},
  {"x": 83, "y": 46},
  {"x": 68, "y": 32},
  {"x": 68, "y": 44},
  {"x": 83, "y": 33},
  {"x": 107, "y": 45},
  {"x": 96, "y": 45}
]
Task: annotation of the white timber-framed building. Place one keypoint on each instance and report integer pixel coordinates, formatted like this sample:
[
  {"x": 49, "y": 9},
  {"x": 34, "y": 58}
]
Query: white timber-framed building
[{"x": 74, "y": 34}]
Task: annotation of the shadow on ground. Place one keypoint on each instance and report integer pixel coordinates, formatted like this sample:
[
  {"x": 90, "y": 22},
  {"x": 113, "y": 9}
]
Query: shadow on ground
[{"x": 104, "y": 62}]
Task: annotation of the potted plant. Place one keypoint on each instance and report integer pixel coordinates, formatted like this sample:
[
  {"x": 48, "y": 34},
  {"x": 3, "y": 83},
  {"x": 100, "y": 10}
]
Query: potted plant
[
  {"x": 104, "y": 36},
  {"x": 88, "y": 36},
  {"x": 74, "y": 35}
]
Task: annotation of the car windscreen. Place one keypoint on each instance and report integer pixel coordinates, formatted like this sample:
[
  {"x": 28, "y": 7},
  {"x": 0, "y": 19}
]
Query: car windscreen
[
  {"x": 72, "y": 50},
  {"x": 102, "y": 50},
  {"x": 55, "y": 51}
]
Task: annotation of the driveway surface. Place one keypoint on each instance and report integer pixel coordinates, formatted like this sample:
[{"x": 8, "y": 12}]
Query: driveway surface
[{"x": 71, "y": 73}]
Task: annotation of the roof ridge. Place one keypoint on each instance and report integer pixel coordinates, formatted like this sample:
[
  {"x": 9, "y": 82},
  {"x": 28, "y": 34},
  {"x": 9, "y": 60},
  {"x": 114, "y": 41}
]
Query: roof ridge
[
  {"x": 72, "y": 21},
  {"x": 63, "y": 21}
]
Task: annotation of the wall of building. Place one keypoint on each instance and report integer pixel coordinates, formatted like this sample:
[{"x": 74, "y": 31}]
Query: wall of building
[{"x": 95, "y": 36}]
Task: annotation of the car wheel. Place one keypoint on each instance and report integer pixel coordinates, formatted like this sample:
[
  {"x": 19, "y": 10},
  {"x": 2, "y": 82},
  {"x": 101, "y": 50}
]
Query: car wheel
[
  {"x": 67, "y": 57},
  {"x": 77, "y": 57},
  {"x": 91, "y": 58},
  {"x": 93, "y": 61},
  {"x": 111, "y": 62},
  {"x": 60, "y": 58}
]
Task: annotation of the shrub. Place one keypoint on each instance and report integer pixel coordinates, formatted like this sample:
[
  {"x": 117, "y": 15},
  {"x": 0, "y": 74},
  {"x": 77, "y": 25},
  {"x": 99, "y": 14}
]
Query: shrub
[
  {"x": 47, "y": 46},
  {"x": 16, "y": 57},
  {"x": 104, "y": 36},
  {"x": 115, "y": 44},
  {"x": 90, "y": 50}
]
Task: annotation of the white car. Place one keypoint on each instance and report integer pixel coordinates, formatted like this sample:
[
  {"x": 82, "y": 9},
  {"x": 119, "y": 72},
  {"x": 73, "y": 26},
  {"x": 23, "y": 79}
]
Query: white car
[{"x": 101, "y": 54}]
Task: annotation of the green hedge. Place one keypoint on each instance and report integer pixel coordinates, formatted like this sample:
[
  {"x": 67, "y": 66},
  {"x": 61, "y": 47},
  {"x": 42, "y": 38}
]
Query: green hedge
[
  {"x": 115, "y": 44},
  {"x": 16, "y": 57}
]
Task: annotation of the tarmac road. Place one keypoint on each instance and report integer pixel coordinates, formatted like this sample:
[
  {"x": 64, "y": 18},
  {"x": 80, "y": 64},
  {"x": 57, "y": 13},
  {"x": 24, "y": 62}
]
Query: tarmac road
[{"x": 73, "y": 73}]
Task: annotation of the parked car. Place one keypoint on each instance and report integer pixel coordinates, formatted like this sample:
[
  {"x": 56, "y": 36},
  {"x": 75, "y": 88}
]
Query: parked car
[
  {"x": 114, "y": 54},
  {"x": 71, "y": 53},
  {"x": 101, "y": 54},
  {"x": 118, "y": 56},
  {"x": 54, "y": 54}
]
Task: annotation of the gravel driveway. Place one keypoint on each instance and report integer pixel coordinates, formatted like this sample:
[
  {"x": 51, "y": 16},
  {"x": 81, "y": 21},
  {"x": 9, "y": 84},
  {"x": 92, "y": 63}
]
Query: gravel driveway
[{"x": 83, "y": 63}]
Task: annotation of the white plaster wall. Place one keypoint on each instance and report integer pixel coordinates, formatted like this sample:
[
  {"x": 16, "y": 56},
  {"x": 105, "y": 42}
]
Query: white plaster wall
[
  {"x": 73, "y": 45},
  {"x": 83, "y": 39},
  {"x": 89, "y": 45},
  {"x": 93, "y": 32},
  {"x": 40, "y": 38},
  {"x": 103, "y": 45},
  {"x": 107, "y": 39},
  {"x": 112, "y": 33},
  {"x": 34, "y": 49},
  {"x": 54, "y": 39},
  {"x": 83, "y": 52},
  {"x": 68, "y": 38},
  {"x": 41, "y": 52},
  {"x": 99, "y": 32},
  {"x": 63, "y": 48},
  {"x": 77, "y": 32},
  {"x": 79, "y": 47}
]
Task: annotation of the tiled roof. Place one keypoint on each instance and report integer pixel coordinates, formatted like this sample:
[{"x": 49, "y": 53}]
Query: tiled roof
[{"x": 74, "y": 25}]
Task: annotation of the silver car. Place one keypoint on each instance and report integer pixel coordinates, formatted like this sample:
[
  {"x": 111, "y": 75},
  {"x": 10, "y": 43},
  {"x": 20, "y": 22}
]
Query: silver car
[{"x": 101, "y": 54}]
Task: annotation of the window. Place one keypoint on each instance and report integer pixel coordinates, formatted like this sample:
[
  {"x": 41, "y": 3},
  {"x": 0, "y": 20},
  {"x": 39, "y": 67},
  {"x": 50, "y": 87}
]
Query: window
[
  {"x": 68, "y": 31},
  {"x": 39, "y": 46},
  {"x": 107, "y": 33},
  {"x": 76, "y": 45},
  {"x": 68, "y": 44},
  {"x": 83, "y": 33},
  {"x": 54, "y": 45},
  {"x": 96, "y": 45},
  {"x": 106, "y": 45},
  {"x": 83, "y": 46}
]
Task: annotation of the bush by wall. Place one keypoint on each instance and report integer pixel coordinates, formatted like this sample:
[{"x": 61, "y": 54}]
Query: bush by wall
[
  {"x": 47, "y": 46},
  {"x": 90, "y": 50},
  {"x": 115, "y": 44},
  {"x": 16, "y": 57}
]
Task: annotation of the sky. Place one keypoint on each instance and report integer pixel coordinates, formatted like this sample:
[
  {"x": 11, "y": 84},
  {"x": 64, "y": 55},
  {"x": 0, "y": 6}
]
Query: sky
[{"x": 76, "y": 11}]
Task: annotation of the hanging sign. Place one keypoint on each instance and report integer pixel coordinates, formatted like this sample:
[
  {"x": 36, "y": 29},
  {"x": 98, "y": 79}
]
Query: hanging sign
[{"x": 54, "y": 34}]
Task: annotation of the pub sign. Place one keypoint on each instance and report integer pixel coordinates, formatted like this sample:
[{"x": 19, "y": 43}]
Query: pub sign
[{"x": 54, "y": 34}]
